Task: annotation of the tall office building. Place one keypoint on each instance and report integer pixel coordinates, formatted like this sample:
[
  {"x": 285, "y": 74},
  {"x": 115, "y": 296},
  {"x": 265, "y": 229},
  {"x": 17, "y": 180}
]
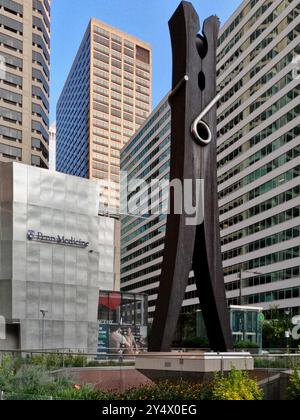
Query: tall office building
[
  {"x": 24, "y": 81},
  {"x": 147, "y": 157},
  {"x": 106, "y": 98},
  {"x": 258, "y": 165}
]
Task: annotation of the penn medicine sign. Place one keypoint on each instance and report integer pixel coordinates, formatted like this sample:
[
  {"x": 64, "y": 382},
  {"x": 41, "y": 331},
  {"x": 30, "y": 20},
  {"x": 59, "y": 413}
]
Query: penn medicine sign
[{"x": 32, "y": 235}]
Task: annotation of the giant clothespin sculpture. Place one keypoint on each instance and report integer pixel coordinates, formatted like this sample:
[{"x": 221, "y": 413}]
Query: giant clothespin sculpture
[{"x": 193, "y": 156}]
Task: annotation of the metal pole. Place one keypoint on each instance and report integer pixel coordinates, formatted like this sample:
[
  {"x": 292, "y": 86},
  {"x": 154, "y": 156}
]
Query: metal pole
[
  {"x": 43, "y": 312},
  {"x": 241, "y": 285},
  {"x": 43, "y": 331}
]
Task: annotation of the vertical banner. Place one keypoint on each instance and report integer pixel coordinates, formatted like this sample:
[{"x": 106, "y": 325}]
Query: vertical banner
[{"x": 103, "y": 341}]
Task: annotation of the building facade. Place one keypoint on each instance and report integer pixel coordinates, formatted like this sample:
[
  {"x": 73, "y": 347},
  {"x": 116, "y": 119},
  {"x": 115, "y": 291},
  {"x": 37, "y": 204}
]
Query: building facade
[
  {"x": 110, "y": 82},
  {"x": 52, "y": 147},
  {"x": 258, "y": 166},
  {"x": 56, "y": 255},
  {"x": 24, "y": 81}
]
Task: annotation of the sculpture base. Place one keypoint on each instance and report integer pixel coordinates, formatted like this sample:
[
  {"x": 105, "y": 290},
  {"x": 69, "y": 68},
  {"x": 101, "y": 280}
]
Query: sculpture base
[{"x": 191, "y": 366}]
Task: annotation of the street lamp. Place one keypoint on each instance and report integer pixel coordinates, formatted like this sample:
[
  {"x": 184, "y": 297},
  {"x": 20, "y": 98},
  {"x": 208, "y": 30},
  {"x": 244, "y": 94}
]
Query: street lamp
[
  {"x": 287, "y": 334},
  {"x": 43, "y": 312},
  {"x": 241, "y": 281}
]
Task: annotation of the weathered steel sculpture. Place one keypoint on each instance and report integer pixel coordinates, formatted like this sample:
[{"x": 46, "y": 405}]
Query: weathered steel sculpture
[{"x": 193, "y": 156}]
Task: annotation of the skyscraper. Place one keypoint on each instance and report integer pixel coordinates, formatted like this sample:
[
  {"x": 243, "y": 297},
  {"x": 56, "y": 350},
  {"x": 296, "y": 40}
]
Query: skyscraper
[
  {"x": 24, "y": 81},
  {"x": 106, "y": 98},
  {"x": 258, "y": 166}
]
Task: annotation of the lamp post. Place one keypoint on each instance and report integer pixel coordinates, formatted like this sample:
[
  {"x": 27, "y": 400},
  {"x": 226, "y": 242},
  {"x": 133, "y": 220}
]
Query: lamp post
[
  {"x": 287, "y": 331},
  {"x": 241, "y": 281},
  {"x": 43, "y": 312}
]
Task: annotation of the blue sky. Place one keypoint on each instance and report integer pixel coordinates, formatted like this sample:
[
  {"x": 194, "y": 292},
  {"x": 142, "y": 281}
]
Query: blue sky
[{"x": 145, "y": 19}]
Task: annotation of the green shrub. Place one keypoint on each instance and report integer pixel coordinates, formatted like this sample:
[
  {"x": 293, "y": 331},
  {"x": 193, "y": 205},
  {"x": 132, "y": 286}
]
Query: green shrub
[
  {"x": 7, "y": 372},
  {"x": 167, "y": 391},
  {"x": 31, "y": 380},
  {"x": 236, "y": 386},
  {"x": 246, "y": 345},
  {"x": 55, "y": 361},
  {"x": 293, "y": 392},
  {"x": 86, "y": 392}
]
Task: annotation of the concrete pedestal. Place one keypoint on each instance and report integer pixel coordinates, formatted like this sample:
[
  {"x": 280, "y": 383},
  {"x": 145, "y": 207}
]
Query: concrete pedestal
[{"x": 191, "y": 366}]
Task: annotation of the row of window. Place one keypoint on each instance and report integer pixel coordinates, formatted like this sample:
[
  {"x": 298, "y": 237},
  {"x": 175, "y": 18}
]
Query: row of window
[
  {"x": 274, "y": 296},
  {"x": 242, "y": 30},
  {"x": 11, "y": 25},
  {"x": 39, "y": 94},
  {"x": 38, "y": 76},
  {"x": 142, "y": 229},
  {"x": 261, "y": 172},
  {"x": 267, "y": 76},
  {"x": 262, "y": 207},
  {"x": 13, "y": 80},
  {"x": 37, "y": 58},
  {"x": 142, "y": 251},
  {"x": 135, "y": 141},
  {"x": 260, "y": 154},
  {"x": 237, "y": 21},
  {"x": 287, "y": 274},
  {"x": 257, "y": 67},
  {"x": 10, "y": 115},
  {"x": 275, "y": 107},
  {"x": 264, "y": 188},
  {"x": 10, "y": 152},
  {"x": 11, "y": 97},
  {"x": 264, "y": 261},
  {"x": 160, "y": 153},
  {"x": 39, "y": 25},
  {"x": 146, "y": 260},
  {"x": 260, "y": 47},
  {"x": 145, "y": 145},
  {"x": 268, "y": 39},
  {"x": 142, "y": 240},
  {"x": 10, "y": 133},
  {"x": 37, "y": 145},
  {"x": 275, "y": 88},
  {"x": 40, "y": 7},
  {"x": 12, "y": 61},
  {"x": 39, "y": 43},
  {"x": 38, "y": 162},
  {"x": 263, "y": 243},
  {"x": 11, "y": 43},
  {"x": 39, "y": 111},
  {"x": 262, "y": 135},
  {"x": 272, "y": 221},
  {"x": 12, "y": 7}
]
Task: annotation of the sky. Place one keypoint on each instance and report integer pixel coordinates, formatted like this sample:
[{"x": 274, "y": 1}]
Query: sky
[{"x": 145, "y": 19}]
